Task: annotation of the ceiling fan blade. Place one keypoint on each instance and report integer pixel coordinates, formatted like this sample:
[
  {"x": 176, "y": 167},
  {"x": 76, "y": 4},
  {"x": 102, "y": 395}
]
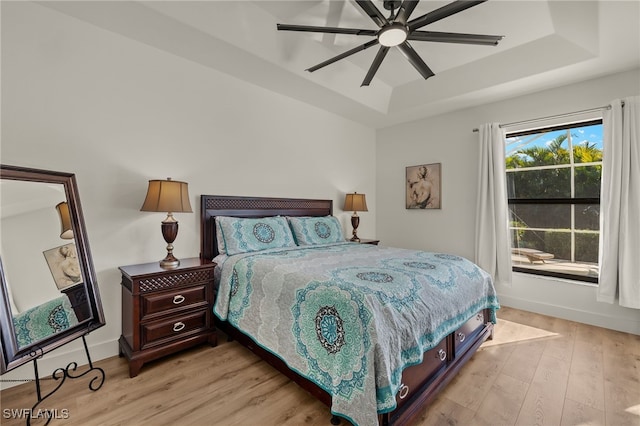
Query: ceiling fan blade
[
  {"x": 373, "y": 12},
  {"x": 441, "y": 13},
  {"x": 344, "y": 55},
  {"x": 439, "y": 37},
  {"x": 406, "y": 9},
  {"x": 375, "y": 65},
  {"x": 415, "y": 60},
  {"x": 329, "y": 30}
]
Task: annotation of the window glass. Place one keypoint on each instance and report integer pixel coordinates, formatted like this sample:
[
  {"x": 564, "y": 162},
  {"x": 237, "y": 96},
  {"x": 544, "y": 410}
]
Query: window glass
[
  {"x": 538, "y": 149},
  {"x": 587, "y": 181},
  {"x": 553, "y": 185},
  {"x": 547, "y": 183},
  {"x": 587, "y": 217},
  {"x": 540, "y": 215},
  {"x": 587, "y": 144},
  {"x": 587, "y": 247}
]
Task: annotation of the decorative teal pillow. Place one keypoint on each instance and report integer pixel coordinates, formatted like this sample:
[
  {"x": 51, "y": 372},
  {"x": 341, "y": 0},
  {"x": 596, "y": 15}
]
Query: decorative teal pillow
[
  {"x": 316, "y": 230},
  {"x": 243, "y": 235},
  {"x": 220, "y": 238}
]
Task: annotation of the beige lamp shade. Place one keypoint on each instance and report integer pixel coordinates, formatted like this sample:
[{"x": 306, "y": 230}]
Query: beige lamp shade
[
  {"x": 355, "y": 203},
  {"x": 167, "y": 196},
  {"x": 66, "y": 230}
]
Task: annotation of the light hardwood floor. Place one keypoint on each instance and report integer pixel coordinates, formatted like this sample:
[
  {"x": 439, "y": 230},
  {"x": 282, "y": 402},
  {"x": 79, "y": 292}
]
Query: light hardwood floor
[{"x": 538, "y": 370}]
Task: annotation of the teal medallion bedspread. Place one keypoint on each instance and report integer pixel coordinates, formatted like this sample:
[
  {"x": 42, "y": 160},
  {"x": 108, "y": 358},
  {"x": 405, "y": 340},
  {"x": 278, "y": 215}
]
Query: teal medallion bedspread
[{"x": 350, "y": 317}]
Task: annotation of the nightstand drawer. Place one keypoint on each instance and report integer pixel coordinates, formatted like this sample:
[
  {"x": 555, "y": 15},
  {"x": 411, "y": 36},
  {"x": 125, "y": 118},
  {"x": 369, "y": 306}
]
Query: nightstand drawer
[
  {"x": 173, "y": 328},
  {"x": 161, "y": 302}
]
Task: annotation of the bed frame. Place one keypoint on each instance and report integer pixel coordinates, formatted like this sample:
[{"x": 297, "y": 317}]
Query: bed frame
[{"x": 420, "y": 383}]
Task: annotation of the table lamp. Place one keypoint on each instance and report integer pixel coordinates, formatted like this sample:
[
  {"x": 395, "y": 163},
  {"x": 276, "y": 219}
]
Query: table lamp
[
  {"x": 169, "y": 196},
  {"x": 356, "y": 203}
]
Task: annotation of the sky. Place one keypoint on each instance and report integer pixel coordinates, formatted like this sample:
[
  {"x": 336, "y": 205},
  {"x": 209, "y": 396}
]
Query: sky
[{"x": 579, "y": 135}]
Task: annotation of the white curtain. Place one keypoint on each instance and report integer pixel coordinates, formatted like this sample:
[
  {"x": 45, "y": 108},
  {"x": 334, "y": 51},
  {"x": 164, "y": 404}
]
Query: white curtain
[
  {"x": 492, "y": 246},
  {"x": 620, "y": 205}
]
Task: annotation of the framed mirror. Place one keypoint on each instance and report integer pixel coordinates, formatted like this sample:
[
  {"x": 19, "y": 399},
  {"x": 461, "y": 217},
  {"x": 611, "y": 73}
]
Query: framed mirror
[{"x": 49, "y": 294}]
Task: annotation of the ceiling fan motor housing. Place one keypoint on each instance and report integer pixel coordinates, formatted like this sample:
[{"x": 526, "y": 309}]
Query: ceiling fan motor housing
[{"x": 391, "y": 4}]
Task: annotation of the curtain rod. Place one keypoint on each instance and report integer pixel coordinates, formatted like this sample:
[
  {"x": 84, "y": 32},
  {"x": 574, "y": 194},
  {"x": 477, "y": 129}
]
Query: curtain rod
[{"x": 567, "y": 114}]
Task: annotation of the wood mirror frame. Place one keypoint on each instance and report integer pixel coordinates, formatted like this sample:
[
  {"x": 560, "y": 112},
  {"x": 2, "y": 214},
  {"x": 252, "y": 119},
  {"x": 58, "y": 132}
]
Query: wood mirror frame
[{"x": 89, "y": 314}]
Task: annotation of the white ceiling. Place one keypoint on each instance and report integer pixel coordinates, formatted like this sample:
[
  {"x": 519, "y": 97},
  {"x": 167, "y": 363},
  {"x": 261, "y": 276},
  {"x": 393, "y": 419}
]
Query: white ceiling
[{"x": 546, "y": 44}]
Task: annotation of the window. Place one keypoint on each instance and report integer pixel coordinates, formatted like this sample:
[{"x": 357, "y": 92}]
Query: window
[{"x": 553, "y": 186}]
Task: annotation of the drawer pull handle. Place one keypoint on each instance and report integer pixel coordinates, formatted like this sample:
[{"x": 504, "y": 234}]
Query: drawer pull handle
[
  {"x": 480, "y": 317},
  {"x": 442, "y": 355},
  {"x": 461, "y": 337},
  {"x": 404, "y": 391},
  {"x": 178, "y": 326},
  {"x": 178, "y": 299}
]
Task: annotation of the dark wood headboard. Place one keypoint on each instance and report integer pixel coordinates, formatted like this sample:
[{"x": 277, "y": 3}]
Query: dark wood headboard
[{"x": 221, "y": 205}]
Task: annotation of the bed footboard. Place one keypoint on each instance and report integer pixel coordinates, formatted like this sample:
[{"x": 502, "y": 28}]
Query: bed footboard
[{"x": 421, "y": 383}]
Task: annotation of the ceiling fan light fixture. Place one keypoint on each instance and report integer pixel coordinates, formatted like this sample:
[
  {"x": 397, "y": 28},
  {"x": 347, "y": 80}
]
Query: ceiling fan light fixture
[{"x": 393, "y": 35}]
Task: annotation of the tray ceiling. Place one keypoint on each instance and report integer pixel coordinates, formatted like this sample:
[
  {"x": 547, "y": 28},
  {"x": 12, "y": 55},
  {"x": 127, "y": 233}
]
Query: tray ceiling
[{"x": 546, "y": 44}]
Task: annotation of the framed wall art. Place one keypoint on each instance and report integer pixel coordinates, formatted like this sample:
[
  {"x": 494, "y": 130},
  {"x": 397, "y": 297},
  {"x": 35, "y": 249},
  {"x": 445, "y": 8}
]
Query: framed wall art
[
  {"x": 424, "y": 186},
  {"x": 64, "y": 266}
]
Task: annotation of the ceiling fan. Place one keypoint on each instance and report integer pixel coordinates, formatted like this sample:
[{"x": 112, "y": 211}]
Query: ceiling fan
[{"x": 397, "y": 30}]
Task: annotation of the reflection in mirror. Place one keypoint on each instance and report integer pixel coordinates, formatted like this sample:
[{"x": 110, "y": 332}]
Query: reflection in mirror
[
  {"x": 49, "y": 294},
  {"x": 66, "y": 232},
  {"x": 39, "y": 268}
]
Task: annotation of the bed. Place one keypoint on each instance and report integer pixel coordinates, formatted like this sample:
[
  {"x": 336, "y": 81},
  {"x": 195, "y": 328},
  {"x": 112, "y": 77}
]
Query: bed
[{"x": 356, "y": 325}]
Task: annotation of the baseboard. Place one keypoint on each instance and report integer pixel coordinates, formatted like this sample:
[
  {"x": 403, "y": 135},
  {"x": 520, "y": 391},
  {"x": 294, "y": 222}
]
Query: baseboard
[{"x": 614, "y": 323}]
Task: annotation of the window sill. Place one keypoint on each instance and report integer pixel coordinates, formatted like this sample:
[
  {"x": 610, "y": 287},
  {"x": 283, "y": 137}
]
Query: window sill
[{"x": 564, "y": 279}]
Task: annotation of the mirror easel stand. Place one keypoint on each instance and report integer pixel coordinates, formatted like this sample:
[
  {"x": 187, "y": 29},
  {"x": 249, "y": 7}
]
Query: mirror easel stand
[{"x": 62, "y": 374}]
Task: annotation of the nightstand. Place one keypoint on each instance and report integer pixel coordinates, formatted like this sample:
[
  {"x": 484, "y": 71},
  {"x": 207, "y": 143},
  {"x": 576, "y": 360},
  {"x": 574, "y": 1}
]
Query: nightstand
[
  {"x": 165, "y": 310},
  {"x": 365, "y": 241}
]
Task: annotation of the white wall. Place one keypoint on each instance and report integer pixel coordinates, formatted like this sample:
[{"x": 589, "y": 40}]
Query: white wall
[
  {"x": 448, "y": 139},
  {"x": 117, "y": 113},
  {"x": 25, "y": 237}
]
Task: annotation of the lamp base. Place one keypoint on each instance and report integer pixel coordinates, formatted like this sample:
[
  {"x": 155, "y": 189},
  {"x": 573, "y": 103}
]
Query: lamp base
[
  {"x": 169, "y": 232},
  {"x": 355, "y": 221},
  {"x": 169, "y": 262}
]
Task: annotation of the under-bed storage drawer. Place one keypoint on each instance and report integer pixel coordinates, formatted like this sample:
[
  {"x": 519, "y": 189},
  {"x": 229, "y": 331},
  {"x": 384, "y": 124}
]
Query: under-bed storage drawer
[
  {"x": 414, "y": 377},
  {"x": 464, "y": 335}
]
